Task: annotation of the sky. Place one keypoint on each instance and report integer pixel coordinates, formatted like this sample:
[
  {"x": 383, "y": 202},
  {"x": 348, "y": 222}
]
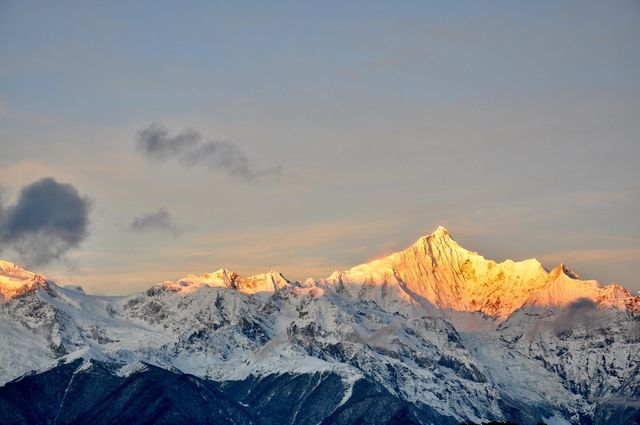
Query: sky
[{"x": 142, "y": 142}]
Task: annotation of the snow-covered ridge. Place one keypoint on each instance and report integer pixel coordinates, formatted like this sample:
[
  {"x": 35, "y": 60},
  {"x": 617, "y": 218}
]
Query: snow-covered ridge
[
  {"x": 15, "y": 280},
  {"x": 266, "y": 282},
  {"x": 436, "y": 269},
  {"x": 548, "y": 339}
]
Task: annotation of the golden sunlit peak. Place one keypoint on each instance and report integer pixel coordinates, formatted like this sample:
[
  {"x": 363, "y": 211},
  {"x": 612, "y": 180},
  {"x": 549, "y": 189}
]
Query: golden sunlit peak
[
  {"x": 15, "y": 280},
  {"x": 440, "y": 236},
  {"x": 441, "y": 231},
  {"x": 563, "y": 269}
]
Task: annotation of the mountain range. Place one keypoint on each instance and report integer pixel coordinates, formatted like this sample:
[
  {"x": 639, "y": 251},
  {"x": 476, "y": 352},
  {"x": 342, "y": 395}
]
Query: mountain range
[{"x": 433, "y": 334}]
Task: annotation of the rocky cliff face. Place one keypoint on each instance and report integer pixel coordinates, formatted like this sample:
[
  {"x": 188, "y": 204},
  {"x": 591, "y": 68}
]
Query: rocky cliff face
[{"x": 435, "y": 330}]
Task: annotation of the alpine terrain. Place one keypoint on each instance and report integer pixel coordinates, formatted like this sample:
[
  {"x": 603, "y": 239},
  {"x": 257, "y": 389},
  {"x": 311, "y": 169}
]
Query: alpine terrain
[{"x": 434, "y": 334}]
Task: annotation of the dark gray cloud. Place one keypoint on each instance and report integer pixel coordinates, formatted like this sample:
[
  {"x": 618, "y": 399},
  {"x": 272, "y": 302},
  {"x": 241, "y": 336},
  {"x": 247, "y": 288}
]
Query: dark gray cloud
[
  {"x": 159, "y": 220},
  {"x": 191, "y": 148},
  {"x": 47, "y": 220}
]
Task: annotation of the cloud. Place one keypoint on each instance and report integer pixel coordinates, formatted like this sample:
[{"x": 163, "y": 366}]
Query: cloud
[
  {"x": 583, "y": 313},
  {"x": 47, "y": 220},
  {"x": 159, "y": 220},
  {"x": 190, "y": 148},
  {"x": 580, "y": 312}
]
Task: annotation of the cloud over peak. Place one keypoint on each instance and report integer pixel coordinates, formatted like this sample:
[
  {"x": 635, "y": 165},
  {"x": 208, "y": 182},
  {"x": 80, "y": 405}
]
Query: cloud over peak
[
  {"x": 191, "y": 148},
  {"x": 47, "y": 220}
]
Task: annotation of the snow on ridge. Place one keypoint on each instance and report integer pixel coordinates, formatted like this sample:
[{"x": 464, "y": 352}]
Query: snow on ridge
[
  {"x": 389, "y": 320},
  {"x": 15, "y": 280},
  {"x": 265, "y": 282},
  {"x": 434, "y": 270}
]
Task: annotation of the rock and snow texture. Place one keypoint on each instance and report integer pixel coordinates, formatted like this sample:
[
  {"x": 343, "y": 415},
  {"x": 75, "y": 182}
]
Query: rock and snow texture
[
  {"x": 437, "y": 326},
  {"x": 438, "y": 270},
  {"x": 15, "y": 280}
]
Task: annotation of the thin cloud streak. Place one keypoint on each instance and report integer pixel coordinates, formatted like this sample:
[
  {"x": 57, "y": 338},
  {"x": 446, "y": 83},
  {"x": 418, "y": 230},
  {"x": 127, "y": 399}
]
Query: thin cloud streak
[
  {"x": 191, "y": 148},
  {"x": 155, "y": 221}
]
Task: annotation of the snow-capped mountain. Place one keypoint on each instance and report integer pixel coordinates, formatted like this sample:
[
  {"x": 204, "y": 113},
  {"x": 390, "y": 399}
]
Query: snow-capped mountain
[
  {"x": 438, "y": 270},
  {"x": 434, "y": 333}
]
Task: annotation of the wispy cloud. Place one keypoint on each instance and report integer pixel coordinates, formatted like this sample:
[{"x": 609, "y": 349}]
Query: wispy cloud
[
  {"x": 191, "y": 148},
  {"x": 155, "y": 221},
  {"x": 47, "y": 220}
]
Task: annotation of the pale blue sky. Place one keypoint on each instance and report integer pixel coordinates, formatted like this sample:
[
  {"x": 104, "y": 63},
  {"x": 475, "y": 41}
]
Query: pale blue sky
[{"x": 515, "y": 124}]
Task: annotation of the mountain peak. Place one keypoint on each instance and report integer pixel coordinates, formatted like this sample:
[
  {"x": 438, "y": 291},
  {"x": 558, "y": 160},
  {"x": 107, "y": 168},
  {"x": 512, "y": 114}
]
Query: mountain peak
[
  {"x": 436, "y": 269},
  {"x": 224, "y": 278},
  {"x": 561, "y": 269},
  {"x": 441, "y": 231},
  {"x": 441, "y": 235},
  {"x": 440, "y": 244},
  {"x": 15, "y": 280}
]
